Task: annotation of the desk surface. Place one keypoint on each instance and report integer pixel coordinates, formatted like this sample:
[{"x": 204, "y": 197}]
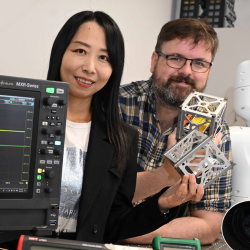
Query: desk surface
[{"x": 218, "y": 244}]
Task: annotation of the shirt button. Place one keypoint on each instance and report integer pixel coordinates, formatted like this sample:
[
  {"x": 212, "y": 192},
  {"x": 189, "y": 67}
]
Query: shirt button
[{"x": 95, "y": 229}]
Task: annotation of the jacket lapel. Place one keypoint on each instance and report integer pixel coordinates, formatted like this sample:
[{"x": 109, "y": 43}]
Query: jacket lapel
[{"x": 99, "y": 159}]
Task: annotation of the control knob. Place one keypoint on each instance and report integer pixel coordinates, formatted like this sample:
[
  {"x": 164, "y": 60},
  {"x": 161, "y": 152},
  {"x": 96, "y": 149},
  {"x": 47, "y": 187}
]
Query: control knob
[
  {"x": 48, "y": 101},
  {"x": 62, "y": 102},
  {"x": 48, "y": 190},
  {"x": 49, "y": 174},
  {"x": 45, "y": 131},
  {"x": 44, "y": 151},
  {"x": 58, "y": 152},
  {"x": 60, "y": 132}
]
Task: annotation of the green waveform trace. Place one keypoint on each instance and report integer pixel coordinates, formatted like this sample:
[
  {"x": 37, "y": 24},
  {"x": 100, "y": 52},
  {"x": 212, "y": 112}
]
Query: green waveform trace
[
  {"x": 17, "y": 146},
  {"x": 12, "y": 131}
]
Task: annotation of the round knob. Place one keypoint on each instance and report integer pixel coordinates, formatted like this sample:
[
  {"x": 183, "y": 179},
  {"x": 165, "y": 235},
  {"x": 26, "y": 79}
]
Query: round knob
[
  {"x": 48, "y": 190},
  {"x": 47, "y": 101},
  {"x": 45, "y": 131},
  {"x": 49, "y": 174},
  {"x": 60, "y": 132},
  {"x": 62, "y": 102},
  {"x": 58, "y": 152},
  {"x": 44, "y": 151}
]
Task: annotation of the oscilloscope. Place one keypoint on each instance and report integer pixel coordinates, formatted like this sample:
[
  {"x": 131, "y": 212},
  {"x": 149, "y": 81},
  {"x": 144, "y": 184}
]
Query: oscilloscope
[{"x": 32, "y": 130}]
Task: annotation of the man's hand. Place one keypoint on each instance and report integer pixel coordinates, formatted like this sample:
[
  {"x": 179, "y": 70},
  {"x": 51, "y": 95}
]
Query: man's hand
[
  {"x": 183, "y": 191},
  {"x": 153, "y": 181}
]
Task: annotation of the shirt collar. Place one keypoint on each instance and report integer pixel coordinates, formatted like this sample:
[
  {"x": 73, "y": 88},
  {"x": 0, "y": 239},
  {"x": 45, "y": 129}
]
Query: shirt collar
[{"x": 152, "y": 99}]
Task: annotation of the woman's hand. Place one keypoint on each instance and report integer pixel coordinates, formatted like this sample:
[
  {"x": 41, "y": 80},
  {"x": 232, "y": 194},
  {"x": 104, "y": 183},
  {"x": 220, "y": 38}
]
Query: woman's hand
[{"x": 183, "y": 191}]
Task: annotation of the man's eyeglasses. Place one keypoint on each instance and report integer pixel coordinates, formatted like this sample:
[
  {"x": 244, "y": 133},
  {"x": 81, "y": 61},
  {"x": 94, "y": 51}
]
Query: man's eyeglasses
[{"x": 178, "y": 62}]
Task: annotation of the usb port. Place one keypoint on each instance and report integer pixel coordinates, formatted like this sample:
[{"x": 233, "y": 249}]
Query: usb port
[{"x": 52, "y": 222}]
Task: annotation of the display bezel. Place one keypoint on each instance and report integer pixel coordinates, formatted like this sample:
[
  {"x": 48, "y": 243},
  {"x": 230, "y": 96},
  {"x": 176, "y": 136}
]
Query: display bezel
[{"x": 37, "y": 96}]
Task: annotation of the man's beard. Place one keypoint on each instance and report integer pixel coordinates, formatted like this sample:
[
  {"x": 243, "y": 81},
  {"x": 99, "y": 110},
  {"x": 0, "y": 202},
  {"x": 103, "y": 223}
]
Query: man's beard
[{"x": 171, "y": 94}]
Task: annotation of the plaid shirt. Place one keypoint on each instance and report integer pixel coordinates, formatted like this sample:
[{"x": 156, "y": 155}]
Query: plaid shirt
[{"x": 137, "y": 108}]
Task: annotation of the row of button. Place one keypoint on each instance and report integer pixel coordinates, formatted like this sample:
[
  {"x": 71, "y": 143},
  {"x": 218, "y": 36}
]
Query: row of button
[
  {"x": 52, "y": 91},
  {"x": 58, "y": 124},
  {"x": 57, "y": 143},
  {"x": 56, "y": 162},
  {"x": 52, "y": 117}
]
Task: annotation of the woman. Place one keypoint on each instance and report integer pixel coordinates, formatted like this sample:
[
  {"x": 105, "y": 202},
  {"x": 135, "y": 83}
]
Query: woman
[{"x": 88, "y": 53}]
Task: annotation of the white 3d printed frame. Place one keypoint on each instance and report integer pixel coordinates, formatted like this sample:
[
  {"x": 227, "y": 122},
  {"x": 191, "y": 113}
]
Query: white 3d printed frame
[
  {"x": 211, "y": 163},
  {"x": 203, "y": 112}
]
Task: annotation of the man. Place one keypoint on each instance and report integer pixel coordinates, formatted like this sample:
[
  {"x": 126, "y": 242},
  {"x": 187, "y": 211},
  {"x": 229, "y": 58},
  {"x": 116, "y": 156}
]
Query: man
[{"x": 182, "y": 61}]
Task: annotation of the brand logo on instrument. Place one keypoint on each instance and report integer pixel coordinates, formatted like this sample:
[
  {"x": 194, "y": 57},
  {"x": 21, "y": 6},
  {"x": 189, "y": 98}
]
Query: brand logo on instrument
[
  {"x": 27, "y": 85},
  {"x": 6, "y": 83},
  {"x": 32, "y": 238}
]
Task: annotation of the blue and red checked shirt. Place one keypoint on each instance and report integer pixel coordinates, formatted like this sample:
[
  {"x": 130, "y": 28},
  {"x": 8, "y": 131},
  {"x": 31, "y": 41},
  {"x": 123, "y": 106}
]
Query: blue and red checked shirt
[{"x": 137, "y": 108}]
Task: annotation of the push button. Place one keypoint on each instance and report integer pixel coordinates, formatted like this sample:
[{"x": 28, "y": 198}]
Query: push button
[
  {"x": 58, "y": 143},
  {"x": 50, "y": 90},
  {"x": 60, "y": 91}
]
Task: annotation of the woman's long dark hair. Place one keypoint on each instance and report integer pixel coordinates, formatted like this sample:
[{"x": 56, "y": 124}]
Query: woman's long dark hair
[{"x": 105, "y": 101}]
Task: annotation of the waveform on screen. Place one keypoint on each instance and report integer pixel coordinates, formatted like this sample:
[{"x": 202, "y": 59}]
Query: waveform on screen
[
  {"x": 2, "y": 130},
  {"x": 12, "y": 131}
]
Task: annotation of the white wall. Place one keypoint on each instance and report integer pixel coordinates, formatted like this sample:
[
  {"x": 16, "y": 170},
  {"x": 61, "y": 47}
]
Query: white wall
[
  {"x": 241, "y": 8},
  {"x": 233, "y": 49},
  {"x": 29, "y": 27}
]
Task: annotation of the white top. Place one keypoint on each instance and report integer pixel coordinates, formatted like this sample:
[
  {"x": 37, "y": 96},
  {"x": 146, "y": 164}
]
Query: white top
[{"x": 75, "y": 150}]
